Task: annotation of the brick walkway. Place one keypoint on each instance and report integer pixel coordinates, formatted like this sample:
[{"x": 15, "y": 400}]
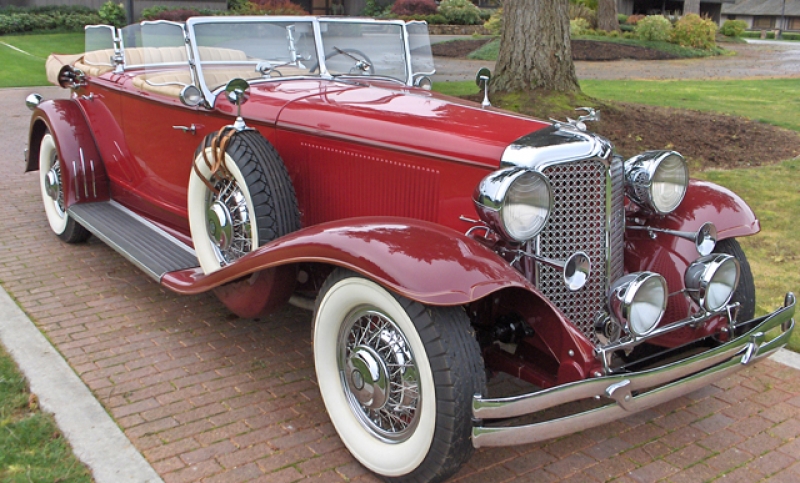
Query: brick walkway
[{"x": 209, "y": 397}]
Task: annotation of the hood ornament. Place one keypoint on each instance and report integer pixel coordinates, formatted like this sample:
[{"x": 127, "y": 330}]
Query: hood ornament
[{"x": 580, "y": 123}]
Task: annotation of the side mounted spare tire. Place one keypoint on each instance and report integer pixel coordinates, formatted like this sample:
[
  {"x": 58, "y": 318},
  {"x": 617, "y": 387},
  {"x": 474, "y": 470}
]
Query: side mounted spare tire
[{"x": 252, "y": 201}]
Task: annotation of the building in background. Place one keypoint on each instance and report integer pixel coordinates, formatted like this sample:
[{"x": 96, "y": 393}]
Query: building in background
[
  {"x": 709, "y": 8},
  {"x": 781, "y": 15}
]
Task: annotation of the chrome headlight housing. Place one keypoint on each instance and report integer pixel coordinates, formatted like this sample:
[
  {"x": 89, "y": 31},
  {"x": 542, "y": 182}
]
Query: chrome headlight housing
[
  {"x": 657, "y": 180},
  {"x": 639, "y": 300},
  {"x": 515, "y": 202},
  {"x": 711, "y": 280}
]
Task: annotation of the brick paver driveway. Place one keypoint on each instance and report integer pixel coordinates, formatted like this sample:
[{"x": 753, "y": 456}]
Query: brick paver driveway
[{"x": 207, "y": 396}]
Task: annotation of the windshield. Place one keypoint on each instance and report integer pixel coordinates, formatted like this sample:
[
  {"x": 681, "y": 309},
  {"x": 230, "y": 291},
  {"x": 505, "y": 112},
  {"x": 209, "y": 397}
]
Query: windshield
[
  {"x": 253, "y": 50},
  {"x": 364, "y": 48}
]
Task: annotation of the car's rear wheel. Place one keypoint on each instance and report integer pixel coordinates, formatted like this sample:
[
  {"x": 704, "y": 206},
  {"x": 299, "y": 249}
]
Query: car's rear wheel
[
  {"x": 50, "y": 182},
  {"x": 247, "y": 202},
  {"x": 745, "y": 293},
  {"x": 397, "y": 378}
]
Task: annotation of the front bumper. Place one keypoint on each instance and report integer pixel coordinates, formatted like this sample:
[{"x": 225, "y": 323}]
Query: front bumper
[{"x": 630, "y": 392}]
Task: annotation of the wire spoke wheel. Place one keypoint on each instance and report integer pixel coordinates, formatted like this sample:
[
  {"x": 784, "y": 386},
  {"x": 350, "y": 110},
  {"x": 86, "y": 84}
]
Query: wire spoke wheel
[
  {"x": 379, "y": 374},
  {"x": 229, "y": 221}
]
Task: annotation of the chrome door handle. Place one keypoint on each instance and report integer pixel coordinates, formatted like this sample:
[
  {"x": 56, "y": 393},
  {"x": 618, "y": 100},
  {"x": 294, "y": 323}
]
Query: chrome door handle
[{"x": 191, "y": 129}]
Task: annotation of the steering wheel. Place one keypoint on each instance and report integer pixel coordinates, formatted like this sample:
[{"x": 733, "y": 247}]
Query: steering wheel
[{"x": 363, "y": 64}]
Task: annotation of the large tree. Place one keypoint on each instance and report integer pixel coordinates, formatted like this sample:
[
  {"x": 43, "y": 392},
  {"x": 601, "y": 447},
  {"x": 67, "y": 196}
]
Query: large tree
[
  {"x": 607, "y": 15},
  {"x": 691, "y": 6},
  {"x": 535, "y": 50}
]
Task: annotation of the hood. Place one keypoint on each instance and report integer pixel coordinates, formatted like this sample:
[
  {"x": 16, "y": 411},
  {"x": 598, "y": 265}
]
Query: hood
[{"x": 401, "y": 118}]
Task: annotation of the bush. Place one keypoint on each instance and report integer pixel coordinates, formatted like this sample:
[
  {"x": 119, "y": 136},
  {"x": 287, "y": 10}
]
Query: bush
[
  {"x": 495, "y": 23},
  {"x": 272, "y": 7},
  {"x": 579, "y": 26},
  {"x": 414, "y": 7},
  {"x": 236, "y": 5},
  {"x": 53, "y": 20},
  {"x": 486, "y": 13},
  {"x": 653, "y": 27},
  {"x": 171, "y": 14},
  {"x": 622, "y": 18},
  {"x": 460, "y": 12},
  {"x": 634, "y": 19},
  {"x": 373, "y": 9},
  {"x": 696, "y": 32},
  {"x": 579, "y": 10},
  {"x": 434, "y": 19},
  {"x": 733, "y": 28},
  {"x": 113, "y": 14}
]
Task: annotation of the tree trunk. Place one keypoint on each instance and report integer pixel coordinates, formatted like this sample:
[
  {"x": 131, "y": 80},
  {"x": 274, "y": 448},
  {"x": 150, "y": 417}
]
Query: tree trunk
[
  {"x": 535, "y": 50},
  {"x": 607, "y": 15},
  {"x": 691, "y": 6}
]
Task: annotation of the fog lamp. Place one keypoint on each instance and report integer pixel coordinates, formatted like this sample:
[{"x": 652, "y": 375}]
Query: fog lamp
[
  {"x": 711, "y": 280},
  {"x": 639, "y": 299}
]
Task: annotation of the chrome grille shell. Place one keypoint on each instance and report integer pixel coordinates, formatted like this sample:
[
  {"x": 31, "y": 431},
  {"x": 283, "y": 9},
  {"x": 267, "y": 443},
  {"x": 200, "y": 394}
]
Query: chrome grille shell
[{"x": 587, "y": 182}]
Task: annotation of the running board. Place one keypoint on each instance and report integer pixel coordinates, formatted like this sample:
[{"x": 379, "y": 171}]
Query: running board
[{"x": 144, "y": 244}]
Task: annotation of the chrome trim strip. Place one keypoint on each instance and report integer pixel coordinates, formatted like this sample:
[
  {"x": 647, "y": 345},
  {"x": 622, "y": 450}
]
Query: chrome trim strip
[{"x": 669, "y": 382}]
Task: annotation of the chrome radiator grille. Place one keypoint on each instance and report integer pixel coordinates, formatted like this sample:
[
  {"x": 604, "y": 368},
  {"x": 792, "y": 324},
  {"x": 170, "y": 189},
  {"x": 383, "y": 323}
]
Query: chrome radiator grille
[{"x": 583, "y": 219}]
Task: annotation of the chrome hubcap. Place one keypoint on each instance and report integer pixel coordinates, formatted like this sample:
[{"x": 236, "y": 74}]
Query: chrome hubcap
[
  {"x": 220, "y": 225},
  {"x": 379, "y": 375},
  {"x": 228, "y": 221},
  {"x": 52, "y": 182}
]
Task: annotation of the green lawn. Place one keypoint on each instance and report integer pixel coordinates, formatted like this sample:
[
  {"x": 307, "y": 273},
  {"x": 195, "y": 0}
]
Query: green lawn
[
  {"x": 775, "y": 101},
  {"x": 27, "y": 69},
  {"x": 31, "y": 447}
]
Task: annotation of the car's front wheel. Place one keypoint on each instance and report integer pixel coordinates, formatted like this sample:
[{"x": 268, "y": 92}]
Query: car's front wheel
[
  {"x": 397, "y": 378},
  {"x": 50, "y": 182}
]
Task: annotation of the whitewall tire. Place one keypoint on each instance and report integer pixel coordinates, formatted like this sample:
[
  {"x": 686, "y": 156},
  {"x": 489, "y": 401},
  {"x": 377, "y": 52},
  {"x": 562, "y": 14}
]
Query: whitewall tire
[
  {"x": 50, "y": 183},
  {"x": 375, "y": 355},
  {"x": 252, "y": 205}
]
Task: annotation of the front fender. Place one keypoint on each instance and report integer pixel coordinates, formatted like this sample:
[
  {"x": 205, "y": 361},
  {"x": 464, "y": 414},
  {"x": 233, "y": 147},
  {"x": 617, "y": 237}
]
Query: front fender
[
  {"x": 419, "y": 260},
  {"x": 83, "y": 175},
  {"x": 706, "y": 201}
]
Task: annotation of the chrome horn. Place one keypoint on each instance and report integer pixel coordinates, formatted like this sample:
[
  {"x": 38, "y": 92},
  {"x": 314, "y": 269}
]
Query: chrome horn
[{"x": 705, "y": 239}]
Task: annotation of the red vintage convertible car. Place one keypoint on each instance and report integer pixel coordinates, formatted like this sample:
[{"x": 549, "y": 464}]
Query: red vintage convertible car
[{"x": 302, "y": 159}]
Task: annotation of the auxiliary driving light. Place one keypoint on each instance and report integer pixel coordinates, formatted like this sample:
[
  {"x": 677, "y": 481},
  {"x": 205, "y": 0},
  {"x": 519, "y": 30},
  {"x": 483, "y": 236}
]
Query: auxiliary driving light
[
  {"x": 711, "y": 280},
  {"x": 514, "y": 202},
  {"x": 639, "y": 299},
  {"x": 657, "y": 180}
]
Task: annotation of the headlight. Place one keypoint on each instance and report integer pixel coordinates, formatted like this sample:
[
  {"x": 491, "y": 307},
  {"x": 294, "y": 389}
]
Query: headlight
[
  {"x": 639, "y": 299},
  {"x": 515, "y": 202},
  {"x": 657, "y": 180},
  {"x": 711, "y": 280}
]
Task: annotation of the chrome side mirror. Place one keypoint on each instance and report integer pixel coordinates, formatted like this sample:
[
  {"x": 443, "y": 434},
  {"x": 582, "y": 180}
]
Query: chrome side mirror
[
  {"x": 423, "y": 82},
  {"x": 237, "y": 93},
  {"x": 191, "y": 96},
  {"x": 482, "y": 79}
]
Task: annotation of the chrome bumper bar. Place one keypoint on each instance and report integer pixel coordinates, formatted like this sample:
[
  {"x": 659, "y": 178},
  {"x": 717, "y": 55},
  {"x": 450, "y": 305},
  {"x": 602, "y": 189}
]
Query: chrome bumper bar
[{"x": 653, "y": 387}]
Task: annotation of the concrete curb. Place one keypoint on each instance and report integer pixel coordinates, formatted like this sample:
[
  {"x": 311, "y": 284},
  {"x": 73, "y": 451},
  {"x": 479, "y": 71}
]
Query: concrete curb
[{"x": 94, "y": 436}]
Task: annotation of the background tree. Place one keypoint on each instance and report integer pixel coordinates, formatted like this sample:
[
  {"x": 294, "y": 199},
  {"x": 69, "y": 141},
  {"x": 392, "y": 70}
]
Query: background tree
[
  {"x": 607, "y": 15},
  {"x": 691, "y": 6},
  {"x": 535, "y": 50}
]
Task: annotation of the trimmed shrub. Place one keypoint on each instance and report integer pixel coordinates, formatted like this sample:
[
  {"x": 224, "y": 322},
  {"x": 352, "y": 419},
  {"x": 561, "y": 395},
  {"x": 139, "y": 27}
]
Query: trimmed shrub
[
  {"x": 634, "y": 19},
  {"x": 653, "y": 27},
  {"x": 579, "y": 26},
  {"x": 579, "y": 10},
  {"x": 696, "y": 32},
  {"x": 272, "y": 7},
  {"x": 733, "y": 28},
  {"x": 622, "y": 18},
  {"x": 495, "y": 23},
  {"x": 414, "y": 7},
  {"x": 434, "y": 19},
  {"x": 55, "y": 19},
  {"x": 113, "y": 14},
  {"x": 486, "y": 13},
  {"x": 173, "y": 15},
  {"x": 460, "y": 12}
]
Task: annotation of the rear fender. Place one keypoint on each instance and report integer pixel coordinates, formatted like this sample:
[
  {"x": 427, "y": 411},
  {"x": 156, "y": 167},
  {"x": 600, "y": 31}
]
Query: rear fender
[{"x": 83, "y": 174}]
